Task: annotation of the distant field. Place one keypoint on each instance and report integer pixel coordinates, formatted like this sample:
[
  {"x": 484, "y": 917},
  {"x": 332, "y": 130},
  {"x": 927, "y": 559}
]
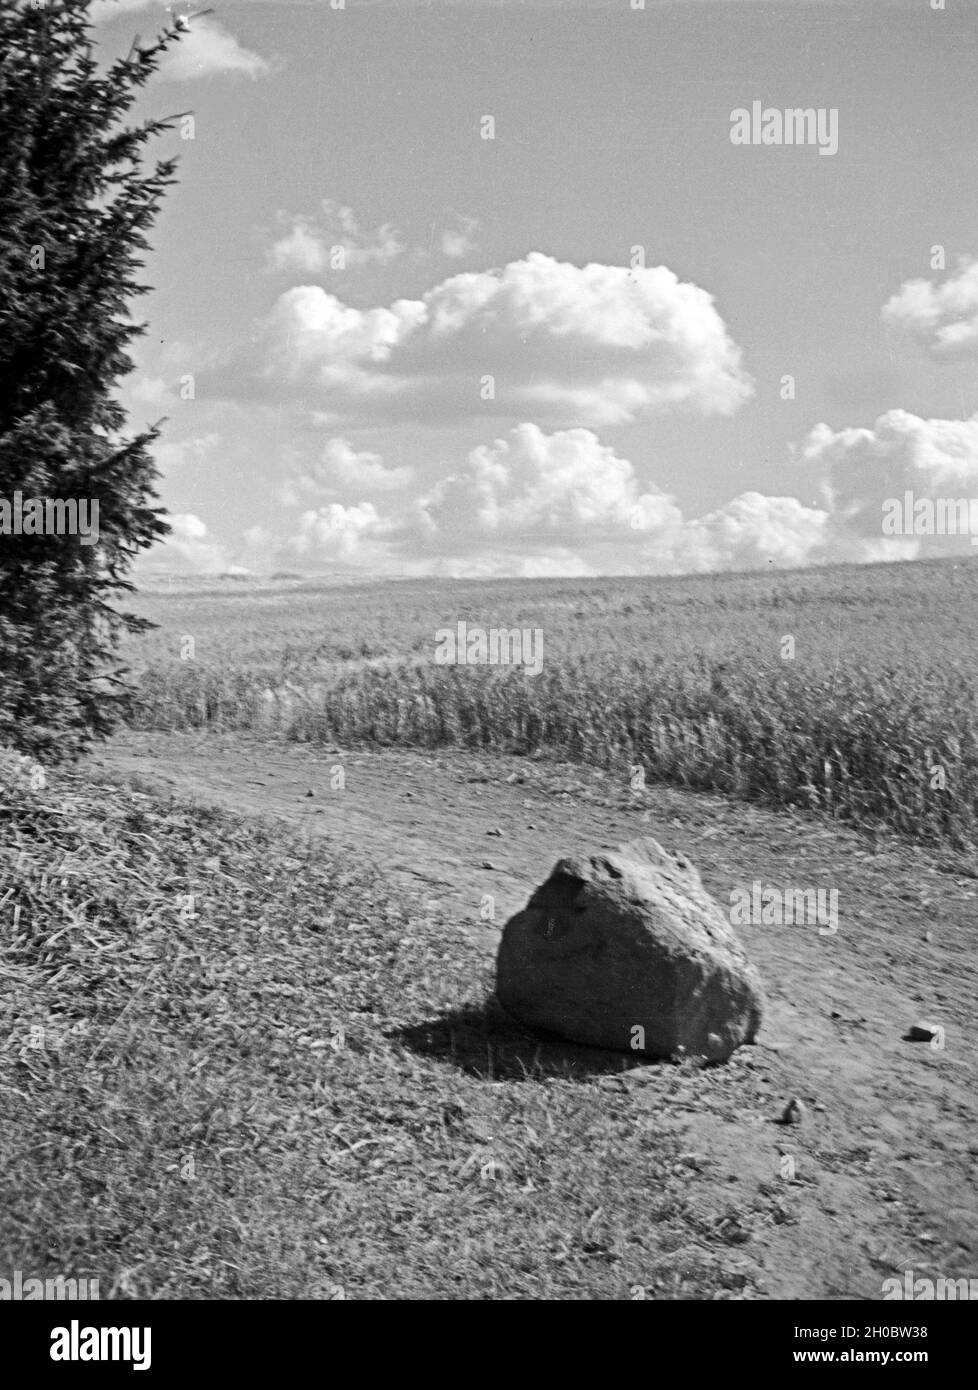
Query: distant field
[{"x": 872, "y": 719}]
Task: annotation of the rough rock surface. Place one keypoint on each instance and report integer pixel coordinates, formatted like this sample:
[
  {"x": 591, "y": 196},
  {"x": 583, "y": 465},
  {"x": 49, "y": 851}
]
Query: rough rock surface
[
  {"x": 627, "y": 950},
  {"x": 19, "y": 771}
]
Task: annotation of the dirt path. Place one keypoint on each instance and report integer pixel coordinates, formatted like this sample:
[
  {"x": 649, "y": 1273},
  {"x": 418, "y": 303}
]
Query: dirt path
[{"x": 885, "y": 1168}]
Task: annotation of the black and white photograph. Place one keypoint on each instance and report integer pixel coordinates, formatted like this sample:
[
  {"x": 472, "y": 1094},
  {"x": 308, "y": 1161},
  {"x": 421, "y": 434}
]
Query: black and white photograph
[{"x": 489, "y": 667}]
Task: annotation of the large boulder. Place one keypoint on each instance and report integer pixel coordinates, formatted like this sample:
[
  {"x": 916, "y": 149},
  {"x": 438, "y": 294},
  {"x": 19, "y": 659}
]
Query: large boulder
[{"x": 627, "y": 950}]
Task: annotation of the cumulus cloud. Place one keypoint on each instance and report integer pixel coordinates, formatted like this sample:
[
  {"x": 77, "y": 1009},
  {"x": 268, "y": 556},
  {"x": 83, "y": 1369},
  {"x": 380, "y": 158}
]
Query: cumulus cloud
[
  {"x": 336, "y": 532},
  {"x": 333, "y": 239},
  {"x": 189, "y": 549},
  {"x": 171, "y": 454},
  {"x": 862, "y": 468},
  {"x": 899, "y": 489},
  {"x": 941, "y": 318},
  {"x": 566, "y": 484},
  {"x": 458, "y": 235},
  {"x": 208, "y": 49},
  {"x": 567, "y": 345},
  {"x": 586, "y": 511},
  {"x": 302, "y": 249},
  {"x": 533, "y": 503},
  {"x": 154, "y": 392},
  {"x": 316, "y": 347},
  {"x": 751, "y": 532},
  {"x": 342, "y": 469}
]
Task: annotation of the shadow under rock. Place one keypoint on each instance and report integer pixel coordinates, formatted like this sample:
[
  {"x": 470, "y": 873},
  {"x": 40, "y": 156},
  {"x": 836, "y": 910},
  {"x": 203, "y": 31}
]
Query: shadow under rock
[{"x": 484, "y": 1040}]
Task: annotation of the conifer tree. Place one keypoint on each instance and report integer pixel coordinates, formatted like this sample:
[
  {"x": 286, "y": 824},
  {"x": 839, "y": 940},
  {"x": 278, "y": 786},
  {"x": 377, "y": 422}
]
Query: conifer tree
[{"x": 77, "y": 199}]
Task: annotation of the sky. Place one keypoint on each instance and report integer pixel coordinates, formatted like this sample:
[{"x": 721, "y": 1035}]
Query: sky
[{"x": 511, "y": 289}]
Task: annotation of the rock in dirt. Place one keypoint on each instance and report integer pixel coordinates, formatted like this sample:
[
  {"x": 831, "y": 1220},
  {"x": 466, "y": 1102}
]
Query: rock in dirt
[
  {"x": 18, "y": 770},
  {"x": 923, "y": 1032},
  {"x": 627, "y": 950}
]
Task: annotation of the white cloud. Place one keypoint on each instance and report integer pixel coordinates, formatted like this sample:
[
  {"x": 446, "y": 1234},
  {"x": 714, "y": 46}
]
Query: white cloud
[
  {"x": 335, "y": 532},
  {"x": 751, "y": 532},
  {"x": 942, "y": 318},
  {"x": 581, "y": 505},
  {"x": 333, "y": 239},
  {"x": 567, "y": 345},
  {"x": 154, "y": 392},
  {"x": 173, "y": 454},
  {"x": 313, "y": 337},
  {"x": 567, "y": 484},
  {"x": 208, "y": 49},
  {"x": 302, "y": 249},
  {"x": 862, "y": 468},
  {"x": 458, "y": 235},
  {"x": 532, "y": 503},
  {"x": 104, "y": 11},
  {"x": 204, "y": 49},
  {"x": 342, "y": 469},
  {"x": 455, "y": 244},
  {"x": 189, "y": 549},
  {"x": 900, "y": 451}
]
